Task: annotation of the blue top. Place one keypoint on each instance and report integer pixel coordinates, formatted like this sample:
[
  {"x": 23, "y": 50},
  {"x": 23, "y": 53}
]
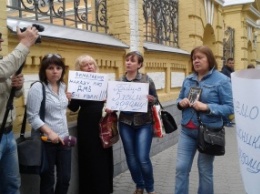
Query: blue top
[{"x": 216, "y": 93}]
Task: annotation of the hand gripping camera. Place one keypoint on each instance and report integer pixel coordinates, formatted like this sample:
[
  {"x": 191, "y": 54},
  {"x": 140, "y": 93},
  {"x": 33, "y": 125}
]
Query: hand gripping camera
[{"x": 39, "y": 27}]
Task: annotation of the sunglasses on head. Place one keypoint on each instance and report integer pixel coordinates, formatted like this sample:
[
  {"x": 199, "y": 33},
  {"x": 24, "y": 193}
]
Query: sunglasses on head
[{"x": 51, "y": 55}]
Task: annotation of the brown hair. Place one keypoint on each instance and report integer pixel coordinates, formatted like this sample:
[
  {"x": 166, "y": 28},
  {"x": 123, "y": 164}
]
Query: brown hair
[
  {"x": 139, "y": 56},
  {"x": 209, "y": 54},
  {"x": 46, "y": 62}
]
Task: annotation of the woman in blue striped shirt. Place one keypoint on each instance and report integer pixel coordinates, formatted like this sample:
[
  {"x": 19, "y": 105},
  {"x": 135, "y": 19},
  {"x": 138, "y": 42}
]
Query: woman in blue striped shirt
[{"x": 54, "y": 126}]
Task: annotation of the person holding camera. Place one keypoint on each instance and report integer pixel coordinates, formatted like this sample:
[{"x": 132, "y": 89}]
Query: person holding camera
[{"x": 9, "y": 168}]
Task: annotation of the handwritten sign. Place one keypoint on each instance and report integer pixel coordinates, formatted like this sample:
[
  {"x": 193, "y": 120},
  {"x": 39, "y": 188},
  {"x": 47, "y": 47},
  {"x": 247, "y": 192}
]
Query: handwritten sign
[
  {"x": 127, "y": 96},
  {"x": 87, "y": 86},
  {"x": 246, "y": 95}
]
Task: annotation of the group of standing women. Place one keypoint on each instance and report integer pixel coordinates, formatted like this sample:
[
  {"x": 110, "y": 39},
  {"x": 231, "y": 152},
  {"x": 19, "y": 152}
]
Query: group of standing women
[{"x": 136, "y": 129}]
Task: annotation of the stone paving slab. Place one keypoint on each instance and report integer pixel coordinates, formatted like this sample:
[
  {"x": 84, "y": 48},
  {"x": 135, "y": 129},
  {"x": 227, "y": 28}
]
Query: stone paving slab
[{"x": 227, "y": 177}]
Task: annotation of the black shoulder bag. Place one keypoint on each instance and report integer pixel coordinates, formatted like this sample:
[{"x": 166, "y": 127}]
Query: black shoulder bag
[
  {"x": 31, "y": 153},
  {"x": 168, "y": 120},
  {"x": 211, "y": 141}
]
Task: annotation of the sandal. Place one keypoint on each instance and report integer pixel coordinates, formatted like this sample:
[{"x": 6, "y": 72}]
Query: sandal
[{"x": 139, "y": 191}]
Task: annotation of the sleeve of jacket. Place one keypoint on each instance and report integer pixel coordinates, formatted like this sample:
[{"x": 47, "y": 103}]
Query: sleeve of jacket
[
  {"x": 73, "y": 105},
  {"x": 225, "y": 107},
  {"x": 181, "y": 96},
  {"x": 11, "y": 63}
]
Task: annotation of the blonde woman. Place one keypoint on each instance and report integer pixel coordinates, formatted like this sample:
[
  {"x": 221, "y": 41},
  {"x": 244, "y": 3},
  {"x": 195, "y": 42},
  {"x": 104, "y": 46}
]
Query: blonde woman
[{"x": 95, "y": 162}]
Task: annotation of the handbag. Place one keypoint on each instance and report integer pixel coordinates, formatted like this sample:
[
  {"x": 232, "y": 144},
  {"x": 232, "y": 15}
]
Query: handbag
[
  {"x": 31, "y": 154},
  {"x": 158, "y": 129},
  {"x": 108, "y": 130},
  {"x": 211, "y": 141},
  {"x": 168, "y": 122}
]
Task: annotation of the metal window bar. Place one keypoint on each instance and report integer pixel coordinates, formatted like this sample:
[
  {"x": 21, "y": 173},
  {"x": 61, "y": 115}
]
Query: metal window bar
[
  {"x": 71, "y": 13},
  {"x": 161, "y": 21},
  {"x": 228, "y": 44}
]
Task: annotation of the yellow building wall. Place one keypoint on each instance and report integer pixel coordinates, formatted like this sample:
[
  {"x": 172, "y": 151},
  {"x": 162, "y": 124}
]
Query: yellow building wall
[
  {"x": 3, "y": 28},
  {"x": 245, "y": 52},
  {"x": 193, "y": 31}
]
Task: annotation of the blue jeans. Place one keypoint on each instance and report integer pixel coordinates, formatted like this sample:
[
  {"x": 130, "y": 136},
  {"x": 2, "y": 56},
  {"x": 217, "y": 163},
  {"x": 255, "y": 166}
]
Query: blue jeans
[
  {"x": 9, "y": 169},
  {"x": 59, "y": 156},
  {"x": 187, "y": 147},
  {"x": 137, "y": 144}
]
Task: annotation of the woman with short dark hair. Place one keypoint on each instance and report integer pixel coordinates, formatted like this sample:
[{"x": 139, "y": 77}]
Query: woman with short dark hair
[
  {"x": 54, "y": 126},
  {"x": 136, "y": 128}
]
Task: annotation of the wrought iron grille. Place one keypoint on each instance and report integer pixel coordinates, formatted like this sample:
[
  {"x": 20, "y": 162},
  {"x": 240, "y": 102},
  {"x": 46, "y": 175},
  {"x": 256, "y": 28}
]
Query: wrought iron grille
[
  {"x": 161, "y": 21},
  {"x": 80, "y": 14},
  {"x": 228, "y": 44}
]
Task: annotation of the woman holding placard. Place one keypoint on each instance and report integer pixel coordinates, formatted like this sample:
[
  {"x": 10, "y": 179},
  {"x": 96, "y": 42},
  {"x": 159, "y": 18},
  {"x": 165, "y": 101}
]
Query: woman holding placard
[
  {"x": 136, "y": 129},
  {"x": 213, "y": 102},
  {"x": 95, "y": 163}
]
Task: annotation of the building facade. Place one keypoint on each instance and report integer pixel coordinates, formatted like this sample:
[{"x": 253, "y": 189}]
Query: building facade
[{"x": 163, "y": 31}]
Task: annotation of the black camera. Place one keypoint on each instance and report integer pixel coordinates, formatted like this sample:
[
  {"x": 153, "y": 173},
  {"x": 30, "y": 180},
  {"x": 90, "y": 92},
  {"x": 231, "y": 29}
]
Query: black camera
[{"x": 39, "y": 27}]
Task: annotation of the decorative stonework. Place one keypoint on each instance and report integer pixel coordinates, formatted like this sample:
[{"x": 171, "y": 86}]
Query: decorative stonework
[
  {"x": 106, "y": 63},
  {"x": 209, "y": 11},
  {"x": 133, "y": 20},
  {"x": 155, "y": 65}
]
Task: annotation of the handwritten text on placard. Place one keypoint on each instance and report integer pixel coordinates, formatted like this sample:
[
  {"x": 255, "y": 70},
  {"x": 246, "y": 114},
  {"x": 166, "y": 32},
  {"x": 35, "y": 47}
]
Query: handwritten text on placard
[
  {"x": 127, "y": 96},
  {"x": 87, "y": 86},
  {"x": 246, "y": 95}
]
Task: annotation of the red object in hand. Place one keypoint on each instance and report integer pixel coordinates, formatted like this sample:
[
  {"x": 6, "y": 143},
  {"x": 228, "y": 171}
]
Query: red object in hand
[
  {"x": 70, "y": 141},
  {"x": 157, "y": 122},
  {"x": 108, "y": 132}
]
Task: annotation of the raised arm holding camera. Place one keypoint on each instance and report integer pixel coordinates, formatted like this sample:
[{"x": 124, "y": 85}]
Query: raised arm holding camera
[{"x": 9, "y": 169}]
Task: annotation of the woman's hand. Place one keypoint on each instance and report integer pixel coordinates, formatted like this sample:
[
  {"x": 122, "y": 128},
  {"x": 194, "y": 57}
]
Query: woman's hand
[
  {"x": 108, "y": 110},
  {"x": 185, "y": 103},
  {"x": 51, "y": 135},
  {"x": 54, "y": 138},
  {"x": 199, "y": 106},
  {"x": 69, "y": 95},
  {"x": 17, "y": 81},
  {"x": 150, "y": 98}
]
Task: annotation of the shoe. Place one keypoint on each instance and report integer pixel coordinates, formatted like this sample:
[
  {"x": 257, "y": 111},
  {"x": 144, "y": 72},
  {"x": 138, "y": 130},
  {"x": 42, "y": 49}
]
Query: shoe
[{"x": 139, "y": 191}]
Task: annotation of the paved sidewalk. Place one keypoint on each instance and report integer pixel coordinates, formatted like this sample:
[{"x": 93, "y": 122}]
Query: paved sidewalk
[{"x": 227, "y": 177}]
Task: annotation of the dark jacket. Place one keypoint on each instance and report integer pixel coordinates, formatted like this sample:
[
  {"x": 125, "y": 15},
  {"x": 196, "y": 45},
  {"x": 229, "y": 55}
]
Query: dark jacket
[{"x": 226, "y": 70}]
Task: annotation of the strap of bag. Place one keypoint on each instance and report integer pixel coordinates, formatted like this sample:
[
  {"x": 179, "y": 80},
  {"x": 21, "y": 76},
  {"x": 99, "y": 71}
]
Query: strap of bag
[
  {"x": 42, "y": 110},
  {"x": 159, "y": 104}
]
